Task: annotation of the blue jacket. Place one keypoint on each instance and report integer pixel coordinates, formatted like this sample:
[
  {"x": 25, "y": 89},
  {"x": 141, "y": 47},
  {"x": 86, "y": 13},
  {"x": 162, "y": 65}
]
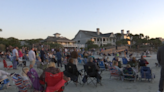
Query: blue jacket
[{"x": 58, "y": 55}]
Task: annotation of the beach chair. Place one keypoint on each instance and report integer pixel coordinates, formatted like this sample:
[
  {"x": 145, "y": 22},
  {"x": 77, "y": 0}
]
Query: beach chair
[
  {"x": 90, "y": 79},
  {"x": 23, "y": 85},
  {"x": 74, "y": 75},
  {"x": 101, "y": 66},
  {"x": 145, "y": 73},
  {"x": 33, "y": 75},
  {"x": 79, "y": 61},
  {"x": 5, "y": 65},
  {"x": 54, "y": 82},
  {"x": 129, "y": 74},
  {"x": 85, "y": 60},
  {"x": 3, "y": 83},
  {"x": 124, "y": 61},
  {"x": 113, "y": 72}
]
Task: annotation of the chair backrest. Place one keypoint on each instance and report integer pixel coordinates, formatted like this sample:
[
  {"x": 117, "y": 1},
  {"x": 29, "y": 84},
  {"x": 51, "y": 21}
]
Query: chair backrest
[
  {"x": 128, "y": 71},
  {"x": 101, "y": 64},
  {"x": 70, "y": 69},
  {"x": 113, "y": 71},
  {"x": 145, "y": 72},
  {"x": 33, "y": 75},
  {"x": 89, "y": 69},
  {"x": 53, "y": 79},
  {"x": 124, "y": 60},
  {"x": 4, "y": 63},
  {"x": 20, "y": 83}
]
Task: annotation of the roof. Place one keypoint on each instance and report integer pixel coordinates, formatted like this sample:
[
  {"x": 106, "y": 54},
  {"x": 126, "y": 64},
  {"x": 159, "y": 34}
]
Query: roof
[
  {"x": 57, "y": 33},
  {"x": 58, "y": 39},
  {"x": 94, "y": 34}
]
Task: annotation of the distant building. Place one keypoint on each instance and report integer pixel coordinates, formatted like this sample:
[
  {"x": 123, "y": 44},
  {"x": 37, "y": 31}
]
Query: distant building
[
  {"x": 162, "y": 39},
  {"x": 122, "y": 35},
  {"x": 63, "y": 41},
  {"x": 97, "y": 37},
  {"x": 23, "y": 43}
]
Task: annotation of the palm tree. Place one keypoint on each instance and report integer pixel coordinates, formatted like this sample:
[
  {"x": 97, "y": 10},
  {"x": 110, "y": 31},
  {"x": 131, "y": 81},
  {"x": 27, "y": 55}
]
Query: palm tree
[
  {"x": 118, "y": 36},
  {"x": 141, "y": 35},
  {"x": 0, "y": 30}
]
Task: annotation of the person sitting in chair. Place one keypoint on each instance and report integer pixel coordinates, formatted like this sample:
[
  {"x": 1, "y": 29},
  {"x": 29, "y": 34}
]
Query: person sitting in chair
[
  {"x": 52, "y": 69},
  {"x": 142, "y": 61},
  {"x": 71, "y": 71},
  {"x": 94, "y": 73},
  {"x": 4, "y": 75},
  {"x": 115, "y": 64},
  {"x": 133, "y": 62}
]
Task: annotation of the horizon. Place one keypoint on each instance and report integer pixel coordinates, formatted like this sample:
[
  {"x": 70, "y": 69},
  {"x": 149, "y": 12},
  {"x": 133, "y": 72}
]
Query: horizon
[{"x": 40, "y": 19}]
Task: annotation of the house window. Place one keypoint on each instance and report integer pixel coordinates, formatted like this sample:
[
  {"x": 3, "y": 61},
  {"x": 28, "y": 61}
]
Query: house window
[
  {"x": 78, "y": 41},
  {"x": 103, "y": 39},
  {"x": 97, "y": 39}
]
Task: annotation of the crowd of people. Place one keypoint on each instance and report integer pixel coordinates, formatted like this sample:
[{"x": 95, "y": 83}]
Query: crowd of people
[{"x": 52, "y": 60}]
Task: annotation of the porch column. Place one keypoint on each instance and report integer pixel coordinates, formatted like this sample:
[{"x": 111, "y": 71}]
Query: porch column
[{"x": 102, "y": 41}]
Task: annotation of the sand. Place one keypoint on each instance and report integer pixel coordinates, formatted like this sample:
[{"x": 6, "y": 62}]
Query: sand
[{"x": 109, "y": 85}]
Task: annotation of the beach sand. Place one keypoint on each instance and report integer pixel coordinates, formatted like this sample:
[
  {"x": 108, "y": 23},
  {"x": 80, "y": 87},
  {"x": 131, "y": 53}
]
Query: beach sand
[{"x": 109, "y": 85}]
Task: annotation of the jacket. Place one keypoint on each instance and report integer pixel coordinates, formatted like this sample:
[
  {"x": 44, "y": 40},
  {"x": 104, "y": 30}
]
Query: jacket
[{"x": 160, "y": 56}]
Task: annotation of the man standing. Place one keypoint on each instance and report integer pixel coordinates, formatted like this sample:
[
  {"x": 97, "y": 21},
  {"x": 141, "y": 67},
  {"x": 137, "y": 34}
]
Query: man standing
[
  {"x": 32, "y": 57},
  {"x": 160, "y": 59},
  {"x": 74, "y": 55},
  {"x": 59, "y": 57},
  {"x": 42, "y": 55},
  {"x": 15, "y": 57}
]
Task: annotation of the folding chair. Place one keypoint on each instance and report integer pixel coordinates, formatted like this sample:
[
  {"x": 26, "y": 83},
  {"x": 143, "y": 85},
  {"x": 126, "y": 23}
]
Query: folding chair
[
  {"x": 33, "y": 75},
  {"x": 113, "y": 72},
  {"x": 23, "y": 85},
  {"x": 4, "y": 83},
  {"x": 5, "y": 65},
  {"x": 90, "y": 79},
  {"x": 124, "y": 61},
  {"x": 146, "y": 74},
  {"x": 54, "y": 82},
  {"x": 70, "y": 72},
  {"x": 129, "y": 74}
]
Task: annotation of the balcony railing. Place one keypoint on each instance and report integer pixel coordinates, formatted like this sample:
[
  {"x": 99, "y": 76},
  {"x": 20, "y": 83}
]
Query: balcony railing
[{"x": 74, "y": 45}]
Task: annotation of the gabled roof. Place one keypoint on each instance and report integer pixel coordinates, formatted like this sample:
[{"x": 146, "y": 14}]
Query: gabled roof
[
  {"x": 94, "y": 34},
  {"x": 57, "y": 39},
  {"x": 57, "y": 33}
]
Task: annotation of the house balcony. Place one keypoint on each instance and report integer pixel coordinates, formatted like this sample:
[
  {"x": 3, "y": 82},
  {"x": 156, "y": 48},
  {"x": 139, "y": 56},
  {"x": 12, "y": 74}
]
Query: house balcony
[{"x": 74, "y": 45}]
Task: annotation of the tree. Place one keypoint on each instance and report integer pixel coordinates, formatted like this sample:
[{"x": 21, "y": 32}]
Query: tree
[
  {"x": 118, "y": 36},
  {"x": 90, "y": 44},
  {"x": 122, "y": 42},
  {"x": 0, "y": 30},
  {"x": 13, "y": 41},
  {"x": 141, "y": 36}
]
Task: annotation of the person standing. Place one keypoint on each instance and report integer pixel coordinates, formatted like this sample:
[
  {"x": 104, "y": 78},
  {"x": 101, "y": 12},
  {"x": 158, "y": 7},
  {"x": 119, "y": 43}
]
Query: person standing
[
  {"x": 74, "y": 55},
  {"x": 59, "y": 56},
  {"x": 15, "y": 57},
  {"x": 32, "y": 57},
  {"x": 42, "y": 53},
  {"x": 160, "y": 59}
]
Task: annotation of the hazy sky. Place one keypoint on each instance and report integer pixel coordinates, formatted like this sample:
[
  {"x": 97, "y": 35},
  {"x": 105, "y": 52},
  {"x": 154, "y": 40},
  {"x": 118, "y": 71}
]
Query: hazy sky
[{"x": 26, "y": 19}]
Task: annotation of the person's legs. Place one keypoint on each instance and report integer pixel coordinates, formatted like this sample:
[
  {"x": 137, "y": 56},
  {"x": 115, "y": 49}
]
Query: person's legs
[
  {"x": 161, "y": 82},
  {"x": 14, "y": 63}
]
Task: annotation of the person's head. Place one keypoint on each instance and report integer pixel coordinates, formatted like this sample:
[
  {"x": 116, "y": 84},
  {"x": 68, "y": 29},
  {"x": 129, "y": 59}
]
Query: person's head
[
  {"x": 133, "y": 58},
  {"x": 115, "y": 63},
  {"x": 25, "y": 70},
  {"x": 32, "y": 48},
  {"x": 51, "y": 64},
  {"x": 117, "y": 59},
  {"x": 142, "y": 57},
  {"x": 42, "y": 48},
  {"x": 20, "y": 50},
  {"x": 70, "y": 60},
  {"x": 128, "y": 66},
  {"x": 16, "y": 48},
  {"x": 90, "y": 59}
]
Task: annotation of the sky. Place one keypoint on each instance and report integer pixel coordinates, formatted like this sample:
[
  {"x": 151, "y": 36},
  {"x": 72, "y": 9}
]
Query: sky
[{"x": 30, "y": 19}]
